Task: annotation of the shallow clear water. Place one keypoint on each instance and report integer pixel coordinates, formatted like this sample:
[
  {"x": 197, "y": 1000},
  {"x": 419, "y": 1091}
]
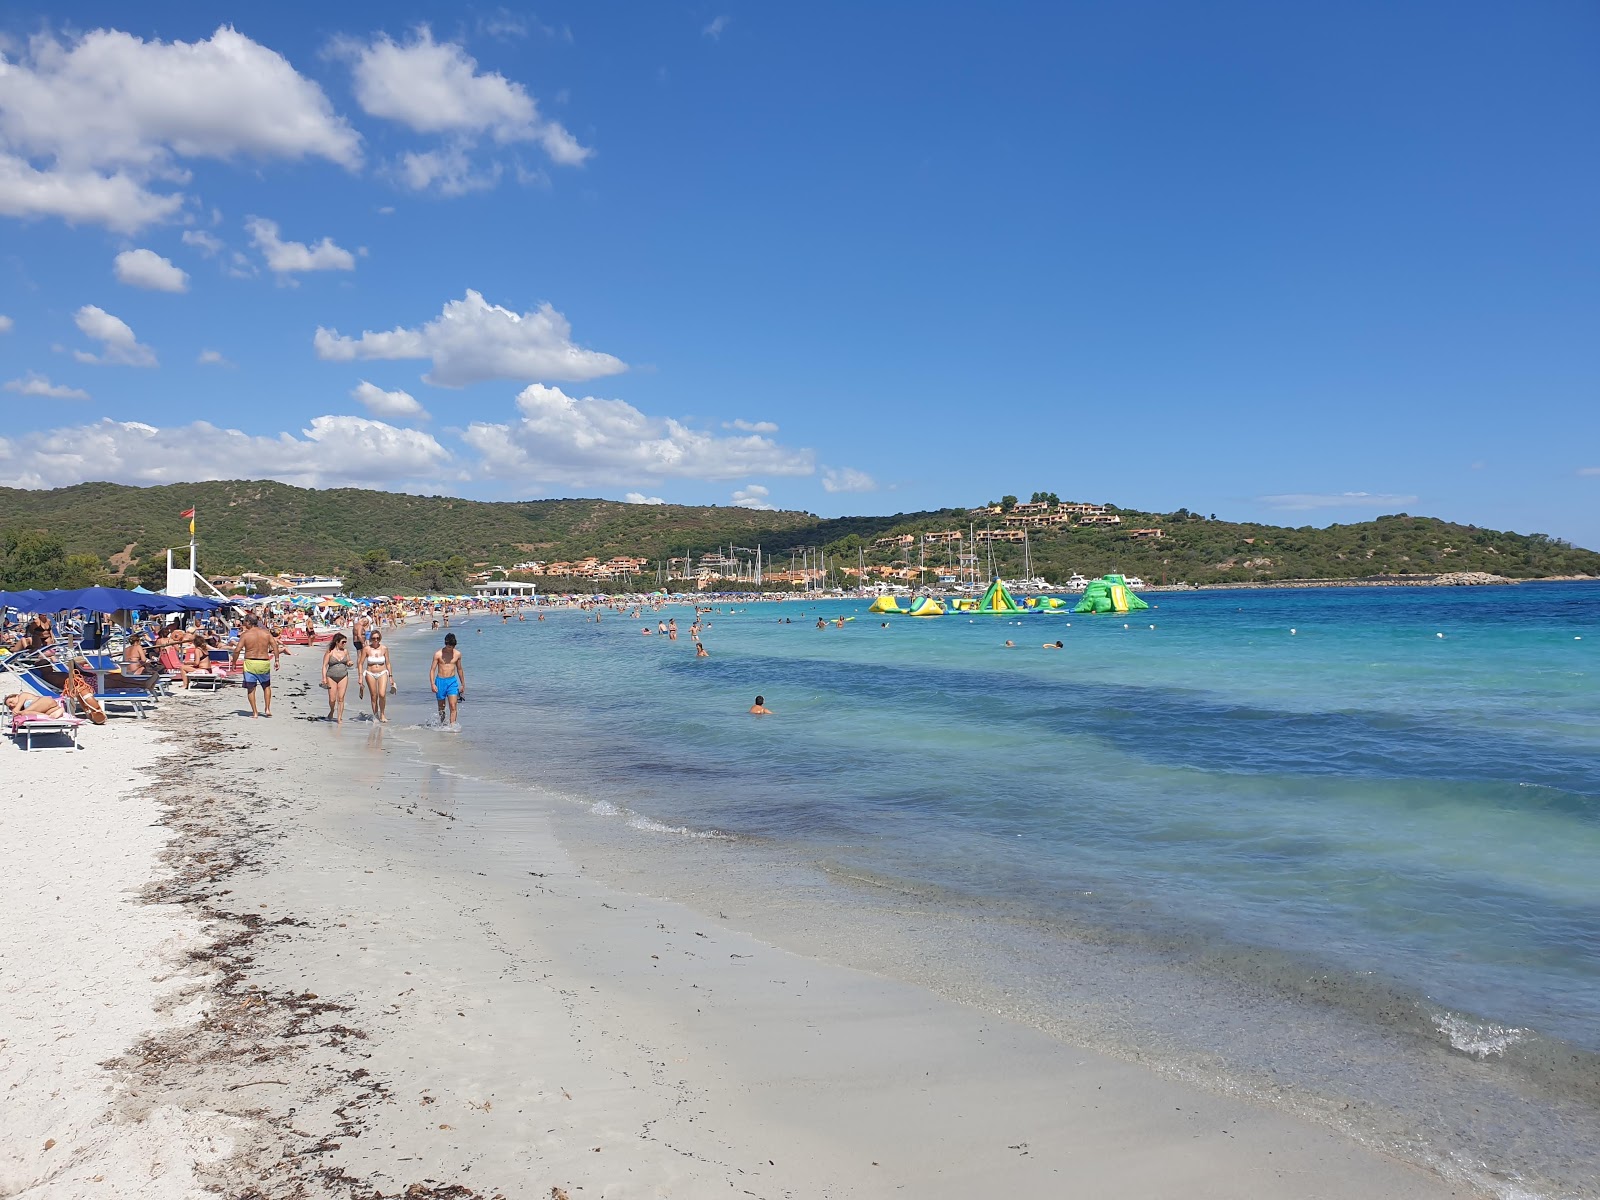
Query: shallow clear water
[{"x": 1313, "y": 776}]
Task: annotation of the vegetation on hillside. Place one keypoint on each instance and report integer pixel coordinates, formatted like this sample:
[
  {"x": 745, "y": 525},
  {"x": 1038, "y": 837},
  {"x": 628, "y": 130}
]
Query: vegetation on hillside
[
  {"x": 1198, "y": 549},
  {"x": 391, "y": 542},
  {"x": 31, "y": 558}
]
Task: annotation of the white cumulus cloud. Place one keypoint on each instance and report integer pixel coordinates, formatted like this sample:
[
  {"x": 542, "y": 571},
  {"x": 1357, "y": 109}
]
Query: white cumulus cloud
[
  {"x": 118, "y": 346},
  {"x": 35, "y": 384},
  {"x": 450, "y": 170},
  {"x": 94, "y": 128},
  {"x": 147, "y": 269},
  {"x": 6, "y": 324},
  {"x": 1589, "y": 471},
  {"x": 751, "y": 426},
  {"x": 641, "y": 498},
  {"x": 213, "y": 358},
  {"x": 117, "y": 200},
  {"x": 847, "y": 479},
  {"x": 754, "y": 496},
  {"x": 332, "y": 451},
  {"x": 387, "y": 404},
  {"x": 209, "y": 244},
  {"x": 563, "y": 440},
  {"x": 285, "y": 258},
  {"x": 437, "y": 88},
  {"x": 1305, "y": 501},
  {"x": 471, "y": 341}
]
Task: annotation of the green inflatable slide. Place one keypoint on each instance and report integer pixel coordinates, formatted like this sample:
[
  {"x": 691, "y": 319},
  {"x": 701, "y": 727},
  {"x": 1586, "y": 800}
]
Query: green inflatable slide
[
  {"x": 996, "y": 602},
  {"x": 1109, "y": 594}
]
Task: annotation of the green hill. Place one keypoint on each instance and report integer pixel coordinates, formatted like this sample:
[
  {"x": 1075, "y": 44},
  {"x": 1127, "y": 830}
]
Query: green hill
[
  {"x": 267, "y": 526},
  {"x": 270, "y": 526},
  {"x": 1197, "y": 549}
]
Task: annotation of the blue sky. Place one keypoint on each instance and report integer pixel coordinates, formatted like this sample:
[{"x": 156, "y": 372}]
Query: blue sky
[{"x": 1274, "y": 261}]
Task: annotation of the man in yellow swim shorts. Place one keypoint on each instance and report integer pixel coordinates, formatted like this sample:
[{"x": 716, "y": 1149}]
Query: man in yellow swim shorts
[{"x": 258, "y": 647}]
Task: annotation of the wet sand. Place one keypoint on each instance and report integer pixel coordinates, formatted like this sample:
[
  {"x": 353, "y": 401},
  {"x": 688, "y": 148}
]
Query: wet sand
[{"x": 380, "y": 995}]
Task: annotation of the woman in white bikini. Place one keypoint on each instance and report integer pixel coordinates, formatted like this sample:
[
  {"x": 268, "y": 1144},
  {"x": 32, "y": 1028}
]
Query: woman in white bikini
[{"x": 377, "y": 676}]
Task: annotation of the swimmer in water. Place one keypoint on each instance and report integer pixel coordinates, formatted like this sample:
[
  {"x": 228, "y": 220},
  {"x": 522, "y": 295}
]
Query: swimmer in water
[
  {"x": 700, "y": 651},
  {"x": 759, "y": 708},
  {"x": 1053, "y": 646}
]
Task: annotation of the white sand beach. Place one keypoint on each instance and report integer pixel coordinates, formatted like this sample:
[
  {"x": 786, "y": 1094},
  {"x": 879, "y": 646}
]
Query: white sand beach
[
  {"x": 87, "y": 970},
  {"x": 316, "y": 976}
]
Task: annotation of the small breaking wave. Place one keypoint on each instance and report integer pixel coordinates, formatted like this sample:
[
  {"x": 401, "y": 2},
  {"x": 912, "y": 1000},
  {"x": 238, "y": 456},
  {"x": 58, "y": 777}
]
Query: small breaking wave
[
  {"x": 605, "y": 808},
  {"x": 1479, "y": 1039}
]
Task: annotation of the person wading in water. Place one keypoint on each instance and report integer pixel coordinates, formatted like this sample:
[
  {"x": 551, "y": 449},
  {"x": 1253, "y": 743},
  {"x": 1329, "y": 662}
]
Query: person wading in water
[{"x": 449, "y": 680}]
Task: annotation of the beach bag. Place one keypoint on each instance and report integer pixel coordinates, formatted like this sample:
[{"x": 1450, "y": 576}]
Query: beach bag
[{"x": 79, "y": 693}]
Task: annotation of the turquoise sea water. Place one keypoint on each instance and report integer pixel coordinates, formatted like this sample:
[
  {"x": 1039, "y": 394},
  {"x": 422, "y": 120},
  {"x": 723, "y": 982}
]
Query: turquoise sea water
[{"x": 1305, "y": 796}]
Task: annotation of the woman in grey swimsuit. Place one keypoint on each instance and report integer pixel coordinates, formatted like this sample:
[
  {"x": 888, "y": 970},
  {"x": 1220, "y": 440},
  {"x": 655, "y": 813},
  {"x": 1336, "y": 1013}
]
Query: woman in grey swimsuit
[{"x": 336, "y": 676}]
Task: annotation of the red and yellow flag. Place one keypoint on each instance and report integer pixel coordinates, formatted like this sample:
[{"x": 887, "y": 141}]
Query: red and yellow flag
[{"x": 189, "y": 512}]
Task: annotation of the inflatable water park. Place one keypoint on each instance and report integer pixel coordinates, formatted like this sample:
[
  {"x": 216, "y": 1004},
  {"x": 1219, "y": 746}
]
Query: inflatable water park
[{"x": 1108, "y": 594}]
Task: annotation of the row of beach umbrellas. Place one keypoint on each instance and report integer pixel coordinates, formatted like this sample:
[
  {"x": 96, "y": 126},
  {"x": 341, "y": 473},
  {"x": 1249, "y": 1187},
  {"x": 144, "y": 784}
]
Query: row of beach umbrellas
[{"x": 103, "y": 600}]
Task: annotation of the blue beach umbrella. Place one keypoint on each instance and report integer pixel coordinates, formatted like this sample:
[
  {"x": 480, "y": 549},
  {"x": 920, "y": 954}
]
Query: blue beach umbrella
[
  {"x": 94, "y": 599},
  {"x": 24, "y": 601}
]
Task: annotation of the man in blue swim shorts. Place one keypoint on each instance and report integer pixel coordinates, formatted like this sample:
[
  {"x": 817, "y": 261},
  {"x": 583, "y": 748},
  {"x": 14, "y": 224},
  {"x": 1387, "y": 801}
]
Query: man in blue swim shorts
[{"x": 449, "y": 680}]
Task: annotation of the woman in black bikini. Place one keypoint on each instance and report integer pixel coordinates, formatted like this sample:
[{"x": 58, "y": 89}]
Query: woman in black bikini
[{"x": 336, "y": 676}]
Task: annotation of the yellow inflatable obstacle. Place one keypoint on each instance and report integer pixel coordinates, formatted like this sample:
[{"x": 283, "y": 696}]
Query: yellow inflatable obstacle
[
  {"x": 927, "y": 607},
  {"x": 886, "y": 604}
]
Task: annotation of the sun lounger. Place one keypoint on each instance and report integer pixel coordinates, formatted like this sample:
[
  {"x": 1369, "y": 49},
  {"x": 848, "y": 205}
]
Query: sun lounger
[
  {"x": 208, "y": 676},
  {"x": 134, "y": 694},
  {"x": 27, "y": 726}
]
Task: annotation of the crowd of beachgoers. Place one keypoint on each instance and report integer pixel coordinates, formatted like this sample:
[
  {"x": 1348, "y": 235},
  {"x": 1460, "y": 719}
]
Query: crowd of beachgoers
[
  {"x": 73, "y": 667},
  {"x": 69, "y": 668}
]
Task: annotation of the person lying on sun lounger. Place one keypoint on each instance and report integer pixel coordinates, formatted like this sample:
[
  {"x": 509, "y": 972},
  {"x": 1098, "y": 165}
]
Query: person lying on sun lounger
[{"x": 44, "y": 706}]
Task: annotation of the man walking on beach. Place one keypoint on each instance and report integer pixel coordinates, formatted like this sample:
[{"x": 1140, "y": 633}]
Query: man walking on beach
[
  {"x": 258, "y": 648},
  {"x": 448, "y": 678}
]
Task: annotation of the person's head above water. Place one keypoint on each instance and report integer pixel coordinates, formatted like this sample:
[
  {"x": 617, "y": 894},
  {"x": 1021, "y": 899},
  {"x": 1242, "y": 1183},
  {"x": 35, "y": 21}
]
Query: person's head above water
[{"x": 761, "y": 699}]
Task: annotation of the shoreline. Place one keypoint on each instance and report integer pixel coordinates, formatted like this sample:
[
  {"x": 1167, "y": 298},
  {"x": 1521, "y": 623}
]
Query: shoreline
[
  {"x": 396, "y": 1003},
  {"x": 1454, "y": 579}
]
